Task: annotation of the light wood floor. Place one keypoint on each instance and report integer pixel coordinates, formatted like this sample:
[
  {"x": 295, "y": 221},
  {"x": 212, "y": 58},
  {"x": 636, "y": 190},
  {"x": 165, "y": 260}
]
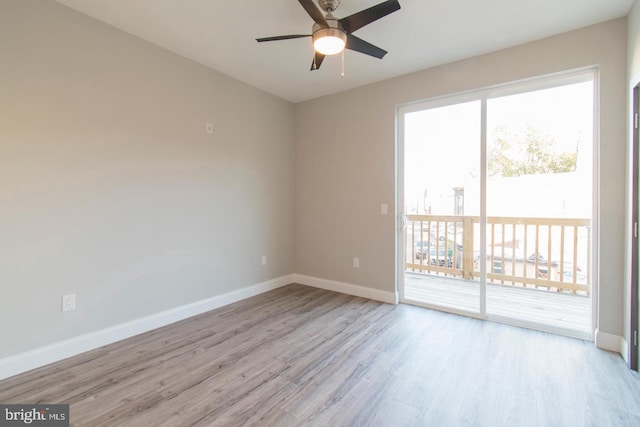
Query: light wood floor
[{"x": 300, "y": 355}]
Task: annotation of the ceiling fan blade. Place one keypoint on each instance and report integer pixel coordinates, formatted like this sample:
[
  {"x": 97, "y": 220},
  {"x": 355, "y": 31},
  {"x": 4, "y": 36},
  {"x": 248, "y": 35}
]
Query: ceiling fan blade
[
  {"x": 314, "y": 12},
  {"x": 359, "y": 45},
  {"x": 276, "y": 38},
  {"x": 317, "y": 61},
  {"x": 358, "y": 20}
]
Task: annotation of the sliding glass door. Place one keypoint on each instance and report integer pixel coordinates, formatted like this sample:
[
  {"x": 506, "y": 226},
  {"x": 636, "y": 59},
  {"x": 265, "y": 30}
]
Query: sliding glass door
[
  {"x": 442, "y": 187},
  {"x": 539, "y": 204},
  {"x": 497, "y": 199}
]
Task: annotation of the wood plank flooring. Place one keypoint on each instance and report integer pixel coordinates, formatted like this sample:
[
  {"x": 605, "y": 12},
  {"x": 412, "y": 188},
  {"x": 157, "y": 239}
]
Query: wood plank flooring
[{"x": 304, "y": 356}]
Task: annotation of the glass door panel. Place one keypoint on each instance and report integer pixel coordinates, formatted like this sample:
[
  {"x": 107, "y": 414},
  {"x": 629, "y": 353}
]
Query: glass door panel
[
  {"x": 442, "y": 206},
  {"x": 539, "y": 204}
]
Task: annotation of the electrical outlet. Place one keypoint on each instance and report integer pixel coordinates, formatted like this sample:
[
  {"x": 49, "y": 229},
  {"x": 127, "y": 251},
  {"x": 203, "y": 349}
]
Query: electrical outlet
[
  {"x": 384, "y": 209},
  {"x": 68, "y": 302},
  {"x": 356, "y": 262},
  {"x": 264, "y": 260}
]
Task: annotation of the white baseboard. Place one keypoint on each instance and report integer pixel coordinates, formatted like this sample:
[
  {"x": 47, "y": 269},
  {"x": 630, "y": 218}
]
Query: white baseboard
[
  {"x": 347, "y": 288},
  {"x": 624, "y": 350},
  {"x": 38, "y": 357},
  {"x": 609, "y": 342}
]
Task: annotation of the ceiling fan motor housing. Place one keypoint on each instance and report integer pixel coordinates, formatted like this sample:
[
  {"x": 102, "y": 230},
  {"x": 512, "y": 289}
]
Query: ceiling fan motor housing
[
  {"x": 334, "y": 24},
  {"x": 329, "y": 5}
]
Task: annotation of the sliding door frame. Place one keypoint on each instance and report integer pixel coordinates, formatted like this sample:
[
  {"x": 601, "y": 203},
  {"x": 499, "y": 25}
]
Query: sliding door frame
[
  {"x": 483, "y": 95},
  {"x": 635, "y": 176}
]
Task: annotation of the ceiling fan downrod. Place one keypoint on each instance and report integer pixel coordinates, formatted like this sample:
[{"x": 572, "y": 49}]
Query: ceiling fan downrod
[{"x": 329, "y": 5}]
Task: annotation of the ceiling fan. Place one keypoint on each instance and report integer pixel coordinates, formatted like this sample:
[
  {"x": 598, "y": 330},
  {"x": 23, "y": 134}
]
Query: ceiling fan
[{"x": 332, "y": 35}]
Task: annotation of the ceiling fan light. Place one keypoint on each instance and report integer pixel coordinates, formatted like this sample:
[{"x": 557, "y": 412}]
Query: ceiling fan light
[
  {"x": 329, "y": 45},
  {"x": 329, "y": 41}
]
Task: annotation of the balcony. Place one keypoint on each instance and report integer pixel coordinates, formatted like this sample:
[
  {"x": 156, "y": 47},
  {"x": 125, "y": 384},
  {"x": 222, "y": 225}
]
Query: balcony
[{"x": 538, "y": 269}]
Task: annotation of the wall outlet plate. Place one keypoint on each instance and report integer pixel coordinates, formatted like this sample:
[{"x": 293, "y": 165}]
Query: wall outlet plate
[{"x": 69, "y": 302}]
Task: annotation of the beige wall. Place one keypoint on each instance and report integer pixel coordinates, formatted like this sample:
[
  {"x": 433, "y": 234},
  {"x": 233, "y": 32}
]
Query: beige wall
[
  {"x": 633, "y": 46},
  {"x": 345, "y": 164},
  {"x": 110, "y": 187}
]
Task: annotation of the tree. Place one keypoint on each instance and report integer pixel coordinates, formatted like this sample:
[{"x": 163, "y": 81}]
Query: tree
[{"x": 527, "y": 153}]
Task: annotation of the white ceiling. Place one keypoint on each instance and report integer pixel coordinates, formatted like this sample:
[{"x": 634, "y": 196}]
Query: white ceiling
[{"x": 424, "y": 33}]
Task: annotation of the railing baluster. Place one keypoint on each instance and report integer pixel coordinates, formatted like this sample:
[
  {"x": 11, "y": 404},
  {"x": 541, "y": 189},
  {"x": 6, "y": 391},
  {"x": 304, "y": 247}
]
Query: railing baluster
[
  {"x": 421, "y": 242},
  {"x": 502, "y": 270},
  {"x": 413, "y": 242},
  {"x": 588, "y": 275},
  {"x": 524, "y": 257},
  {"x": 492, "y": 246},
  {"x": 549, "y": 264},
  {"x": 575, "y": 254},
  {"x": 467, "y": 248},
  {"x": 406, "y": 241},
  {"x": 429, "y": 236},
  {"x": 513, "y": 252},
  {"x": 454, "y": 261},
  {"x": 536, "y": 270},
  {"x": 446, "y": 246},
  {"x": 562, "y": 253}
]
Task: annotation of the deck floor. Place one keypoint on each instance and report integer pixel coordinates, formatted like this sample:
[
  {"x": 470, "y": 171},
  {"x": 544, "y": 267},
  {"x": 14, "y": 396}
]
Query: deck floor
[{"x": 549, "y": 309}]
